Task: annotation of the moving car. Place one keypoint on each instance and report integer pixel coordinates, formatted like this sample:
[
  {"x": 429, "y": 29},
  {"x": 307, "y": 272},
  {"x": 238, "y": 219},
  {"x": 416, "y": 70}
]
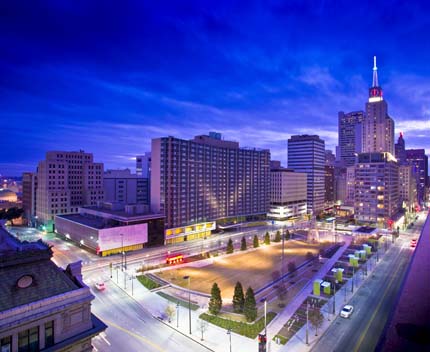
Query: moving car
[
  {"x": 346, "y": 311},
  {"x": 413, "y": 243},
  {"x": 100, "y": 285}
]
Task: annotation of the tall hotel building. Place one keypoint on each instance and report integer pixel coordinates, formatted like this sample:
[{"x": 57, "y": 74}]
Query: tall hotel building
[
  {"x": 198, "y": 182},
  {"x": 65, "y": 182},
  {"x": 307, "y": 154},
  {"x": 376, "y": 193}
]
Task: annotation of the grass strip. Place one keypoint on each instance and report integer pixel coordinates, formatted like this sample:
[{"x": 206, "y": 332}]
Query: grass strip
[
  {"x": 181, "y": 302},
  {"x": 244, "y": 329},
  {"x": 147, "y": 282}
]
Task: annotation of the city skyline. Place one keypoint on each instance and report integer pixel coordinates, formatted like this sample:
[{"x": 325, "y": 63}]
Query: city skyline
[{"x": 249, "y": 80}]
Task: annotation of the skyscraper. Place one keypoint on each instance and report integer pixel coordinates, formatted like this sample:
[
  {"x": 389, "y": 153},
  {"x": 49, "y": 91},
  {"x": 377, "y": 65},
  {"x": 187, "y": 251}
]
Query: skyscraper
[
  {"x": 350, "y": 136},
  {"x": 378, "y": 127},
  {"x": 400, "y": 150},
  {"x": 307, "y": 154},
  {"x": 196, "y": 182},
  {"x": 418, "y": 160}
]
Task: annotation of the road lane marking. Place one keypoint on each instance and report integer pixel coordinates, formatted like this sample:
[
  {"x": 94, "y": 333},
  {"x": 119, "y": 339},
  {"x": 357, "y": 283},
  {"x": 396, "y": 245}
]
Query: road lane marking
[
  {"x": 134, "y": 335},
  {"x": 360, "y": 341}
]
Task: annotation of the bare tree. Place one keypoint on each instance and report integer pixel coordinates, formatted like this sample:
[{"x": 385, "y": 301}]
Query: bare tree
[
  {"x": 202, "y": 325},
  {"x": 316, "y": 319},
  {"x": 170, "y": 312}
]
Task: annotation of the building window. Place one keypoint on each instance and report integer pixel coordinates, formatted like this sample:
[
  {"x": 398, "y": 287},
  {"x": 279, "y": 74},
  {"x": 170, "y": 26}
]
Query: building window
[
  {"x": 28, "y": 340},
  {"x": 49, "y": 333},
  {"x": 6, "y": 344}
]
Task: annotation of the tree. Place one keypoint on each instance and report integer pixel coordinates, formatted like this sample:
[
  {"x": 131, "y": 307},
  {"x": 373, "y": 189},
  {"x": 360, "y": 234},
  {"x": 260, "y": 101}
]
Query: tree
[
  {"x": 282, "y": 290},
  {"x": 256, "y": 242},
  {"x": 278, "y": 236},
  {"x": 316, "y": 319},
  {"x": 243, "y": 246},
  {"x": 287, "y": 235},
  {"x": 309, "y": 256},
  {"x": 230, "y": 248},
  {"x": 11, "y": 214},
  {"x": 215, "y": 303},
  {"x": 250, "y": 306},
  {"x": 170, "y": 312},
  {"x": 202, "y": 325},
  {"x": 238, "y": 298},
  {"x": 267, "y": 238},
  {"x": 291, "y": 267}
]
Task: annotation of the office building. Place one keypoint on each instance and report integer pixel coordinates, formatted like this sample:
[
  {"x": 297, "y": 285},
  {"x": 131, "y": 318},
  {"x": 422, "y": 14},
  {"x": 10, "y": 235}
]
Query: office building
[
  {"x": 110, "y": 228},
  {"x": 124, "y": 187},
  {"x": 350, "y": 185},
  {"x": 400, "y": 150},
  {"x": 306, "y": 154},
  {"x": 376, "y": 190},
  {"x": 288, "y": 192},
  {"x": 350, "y": 136},
  {"x": 143, "y": 165},
  {"x": 407, "y": 187},
  {"x": 207, "y": 179},
  {"x": 378, "y": 127},
  {"x": 65, "y": 182},
  {"x": 42, "y": 307},
  {"x": 329, "y": 182},
  {"x": 418, "y": 160},
  {"x": 29, "y": 187}
]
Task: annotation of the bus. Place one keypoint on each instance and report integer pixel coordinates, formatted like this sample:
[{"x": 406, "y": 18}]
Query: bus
[{"x": 175, "y": 259}]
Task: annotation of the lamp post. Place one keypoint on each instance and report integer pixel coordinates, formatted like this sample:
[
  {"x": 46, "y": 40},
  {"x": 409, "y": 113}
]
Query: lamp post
[
  {"x": 122, "y": 252},
  {"x": 189, "y": 300},
  {"x": 229, "y": 335},
  {"x": 352, "y": 279},
  {"x": 307, "y": 323},
  {"x": 283, "y": 250},
  {"x": 334, "y": 297},
  {"x": 177, "y": 315}
]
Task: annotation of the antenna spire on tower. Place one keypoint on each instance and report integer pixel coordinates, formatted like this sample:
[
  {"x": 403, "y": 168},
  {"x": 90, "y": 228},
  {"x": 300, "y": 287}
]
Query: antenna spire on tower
[{"x": 375, "y": 73}]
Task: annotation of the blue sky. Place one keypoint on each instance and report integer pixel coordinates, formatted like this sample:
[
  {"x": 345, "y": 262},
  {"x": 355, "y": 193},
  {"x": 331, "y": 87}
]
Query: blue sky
[{"x": 107, "y": 76}]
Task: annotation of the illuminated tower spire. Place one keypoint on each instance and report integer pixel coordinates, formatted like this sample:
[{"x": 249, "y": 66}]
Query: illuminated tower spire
[{"x": 375, "y": 73}]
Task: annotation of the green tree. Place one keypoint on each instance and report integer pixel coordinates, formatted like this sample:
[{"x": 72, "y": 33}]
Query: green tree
[
  {"x": 230, "y": 248},
  {"x": 11, "y": 214},
  {"x": 243, "y": 245},
  {"x": 316, "y": 318},
  {"x": 287, "y": 235},
  {"x": 250, "y": 306},
  {"x": 278, "y": 236},
  {"x": 238, "y": 298},
  {"x": 256, "y": 242},
  {"x": 215, "y": 303},
  {"x": 267, "y": 238}
]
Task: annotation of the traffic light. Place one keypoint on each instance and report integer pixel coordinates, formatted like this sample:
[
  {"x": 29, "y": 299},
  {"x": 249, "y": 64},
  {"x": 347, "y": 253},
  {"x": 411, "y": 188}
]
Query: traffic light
[{"x": 262, "y": 340}]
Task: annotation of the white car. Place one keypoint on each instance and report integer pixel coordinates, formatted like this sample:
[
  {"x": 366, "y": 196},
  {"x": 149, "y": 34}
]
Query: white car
[
  {"x": 346, "y": 311},
  {"x": 100, "y": 285}
]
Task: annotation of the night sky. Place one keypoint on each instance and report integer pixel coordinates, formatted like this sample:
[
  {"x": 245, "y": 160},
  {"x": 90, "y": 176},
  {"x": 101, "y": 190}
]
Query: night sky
[{"x": 107, "y": 76}]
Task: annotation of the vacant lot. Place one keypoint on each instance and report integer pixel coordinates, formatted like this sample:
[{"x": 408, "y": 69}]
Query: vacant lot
[{"x": 253, "y": 268}]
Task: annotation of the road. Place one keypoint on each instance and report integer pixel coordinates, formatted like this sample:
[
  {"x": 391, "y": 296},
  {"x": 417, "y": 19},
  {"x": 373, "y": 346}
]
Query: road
[{"x": 373, "y": 302}]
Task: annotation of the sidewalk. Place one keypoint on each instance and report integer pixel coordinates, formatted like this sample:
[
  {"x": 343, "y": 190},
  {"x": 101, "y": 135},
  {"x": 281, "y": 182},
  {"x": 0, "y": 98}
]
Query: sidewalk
[
  {"x": 280, "y": 320},
  {"x": 215, "y": 338},
  {"x": 342, "y": 297}
]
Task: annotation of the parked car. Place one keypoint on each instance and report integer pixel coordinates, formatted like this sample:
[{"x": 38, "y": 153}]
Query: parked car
[
  {"x": 346, "y": 311},
  {"x": 100, "y": 285}
]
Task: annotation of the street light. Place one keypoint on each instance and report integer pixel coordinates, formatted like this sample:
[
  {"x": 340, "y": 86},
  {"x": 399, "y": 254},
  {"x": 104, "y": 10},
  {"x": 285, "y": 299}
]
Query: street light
[
  {"x": 122, "y": 251},
  {"x": 189, "y": 300},
  {"x": 334, "y": 297},
  {"x": 229, "y": 334},
  {"x": 265, "y": 315},
  {"x": 177, "y": 315},
  {"x": 307, "y": 323}
]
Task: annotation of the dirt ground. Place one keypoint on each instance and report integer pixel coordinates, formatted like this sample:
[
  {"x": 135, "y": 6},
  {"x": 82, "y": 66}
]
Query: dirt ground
[{"x": 253, "y": 268}]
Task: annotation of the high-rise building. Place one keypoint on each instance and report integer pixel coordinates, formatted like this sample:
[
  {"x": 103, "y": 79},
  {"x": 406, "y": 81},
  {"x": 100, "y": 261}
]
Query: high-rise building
[
  {"x": 288, "y": 193},
  {"x": 29, "y": 187},
  {"x": 407, "y": 187},
  {"x": 400, "y": 150},
  {"x": 65, "y": 182},
  {"x": 418, "y": 159},
  {"x": 350, "y": 136},
  {"x": 124, "y": 187},
  {"x": 306, "y": 154},
  {"x": 143, "y": 165},
  {"x": 376, "y": 188},
  {"x": 42, "y": 307},
  {"x": 378, "y": 127},
  {"x": 350, "y": 185},
  {"x": 200, "y": 181}
]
